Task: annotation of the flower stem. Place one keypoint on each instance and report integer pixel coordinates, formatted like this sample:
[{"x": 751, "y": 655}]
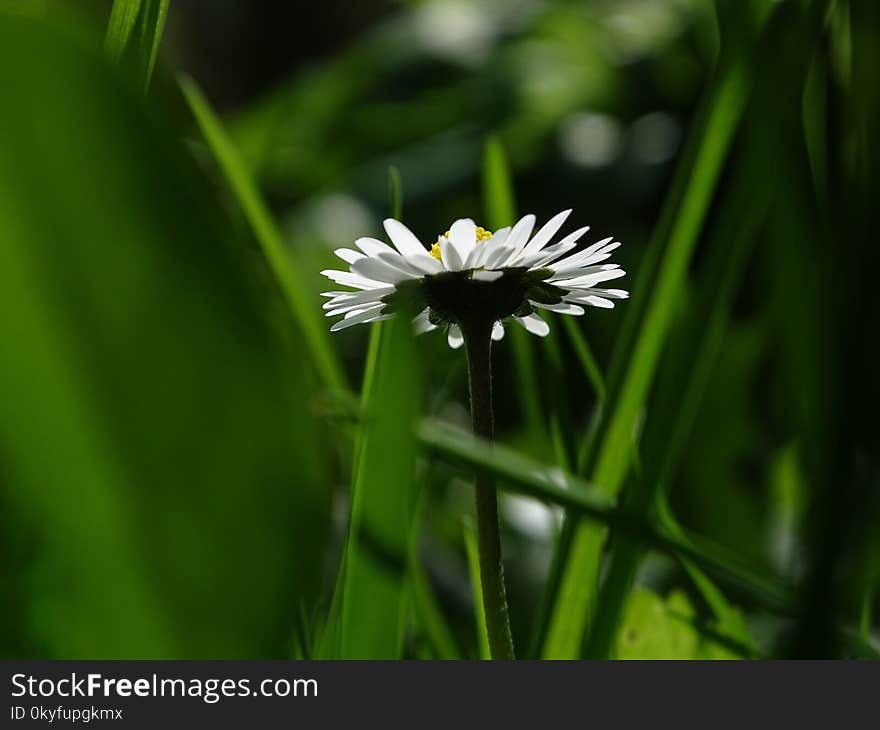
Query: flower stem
[{"x": 478, "y": 343}]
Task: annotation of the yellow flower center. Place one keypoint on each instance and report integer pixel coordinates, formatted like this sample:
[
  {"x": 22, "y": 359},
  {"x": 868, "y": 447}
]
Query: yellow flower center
[{"x": 482, "y": 235}]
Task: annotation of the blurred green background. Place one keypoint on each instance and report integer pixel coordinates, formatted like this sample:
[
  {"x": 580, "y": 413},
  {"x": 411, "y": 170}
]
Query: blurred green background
[{"x": 191, "y": 466}]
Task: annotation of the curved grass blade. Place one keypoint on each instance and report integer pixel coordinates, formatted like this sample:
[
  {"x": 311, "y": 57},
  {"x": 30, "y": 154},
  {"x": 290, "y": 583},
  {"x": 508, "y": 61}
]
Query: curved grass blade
[
  {"x": 575, "y": 601},
  {"x": 470, "y": 544},
  {"x": 395, "y": 192},
  {"x": 682, "y": 387},
  {"x": 149, "y": 407},
  {"x": 376, "y": 557},
  {"x": 521, "y": 475},
  {"x": 123, "y": 20},
  {"x": 133, "y": 35},
  {"x": 305, "y": 312},
  {"x": 371, "y": 597}
]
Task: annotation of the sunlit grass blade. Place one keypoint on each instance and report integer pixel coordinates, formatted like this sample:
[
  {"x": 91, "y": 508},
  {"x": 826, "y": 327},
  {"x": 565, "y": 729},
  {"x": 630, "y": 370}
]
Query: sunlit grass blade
[
  {"x": 522, "y": 475},
  {"x": 379, "y": 536},
  {"x": 577, "y": 592},
  {"x": 499, "y": 199},
  {"x": 134, "y": 33},
  {"x": 306, "y": 313},
  {"x": 371, "y": 592},
  {"x": 123, "y": 20},
  {"x": 682, "y": 384},
  {"x": 473, "y": 557},
  {"x": 154, "y": 24},
  {"x": 395, "y": 192}
]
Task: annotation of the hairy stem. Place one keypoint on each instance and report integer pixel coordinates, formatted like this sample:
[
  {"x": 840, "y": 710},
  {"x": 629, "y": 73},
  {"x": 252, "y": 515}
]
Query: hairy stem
[{"x": 478, "y": 343}]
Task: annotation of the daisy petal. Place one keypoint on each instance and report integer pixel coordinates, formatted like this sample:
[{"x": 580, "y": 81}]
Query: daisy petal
[
  {"x": 487, "y": 275},
  {"x": 346, "y": 278},
  {"x": 546, "y": 256},
  {"x": 346, "y": 308},
  {"x": 517, "y": 238},
  {"x": 563, "y": 308},
  {"x": 347, "y": 255},
  {"x": 590, "y": 280},
  {"x": 406, "y": 265},
  {"x": 373, "y": 246},
  {"x": 587, "y": 276},
  {"x": 421, "y": 322},
  {"x": 357, "y": 297},
  {"x": 423, "y": 264},
  {"x": 451, "y": 260},
  {"x": 483, "y": 250},
  {"x": 582, "y": 258},
  {"x": 463, "y": 237},
  {"x": 497, "y": 331},
  {"x": 352, "y": 319},
  {"x": 337, "y": 293},
  {"x": 404, "y": 239},
  {"x": 603, "y": 245},
  {"x": 607, "y": 293},
  {"x": 377, "y": 269},
  {"x": 548, "y": 230},
  {"x": 495, "y": 255},
  {"x": 455, "y": 338},
  {"x": 534, "y": 324},
  {"x": 500, "y": 236},
  {"x": 590, "y": 299}
]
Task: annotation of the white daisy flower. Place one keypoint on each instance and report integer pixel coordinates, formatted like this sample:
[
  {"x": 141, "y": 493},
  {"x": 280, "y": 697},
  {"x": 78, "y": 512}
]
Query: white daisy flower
[{"x": 472, "y": 274}]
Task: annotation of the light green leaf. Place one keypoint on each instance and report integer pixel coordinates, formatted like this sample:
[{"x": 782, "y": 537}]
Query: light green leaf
[{"x": 649, "y": 631}]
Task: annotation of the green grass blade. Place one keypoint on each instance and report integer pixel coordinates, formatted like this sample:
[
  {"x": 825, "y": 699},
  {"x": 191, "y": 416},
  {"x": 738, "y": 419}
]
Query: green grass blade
[
  {"x": 470, "y": 544},
  {"x": 372, "y": 590},
  {"x": 154, "y": 24},
  {"x": 395, "y": 192},
  {"x": 123, "y": 20},
  {"x": 149, "y": 408},
  {"x": 376, "y": 557},
  {"x": 134, "y": 33},
  {"x": 331, "y": 635},
  {"x": 499, "y": 200},
  {"x": 306, "y": 313},
  {"x": 680, "y": 391},
  {"x": 522, "y": 475},
  {"x": 576, "y": 599}
]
